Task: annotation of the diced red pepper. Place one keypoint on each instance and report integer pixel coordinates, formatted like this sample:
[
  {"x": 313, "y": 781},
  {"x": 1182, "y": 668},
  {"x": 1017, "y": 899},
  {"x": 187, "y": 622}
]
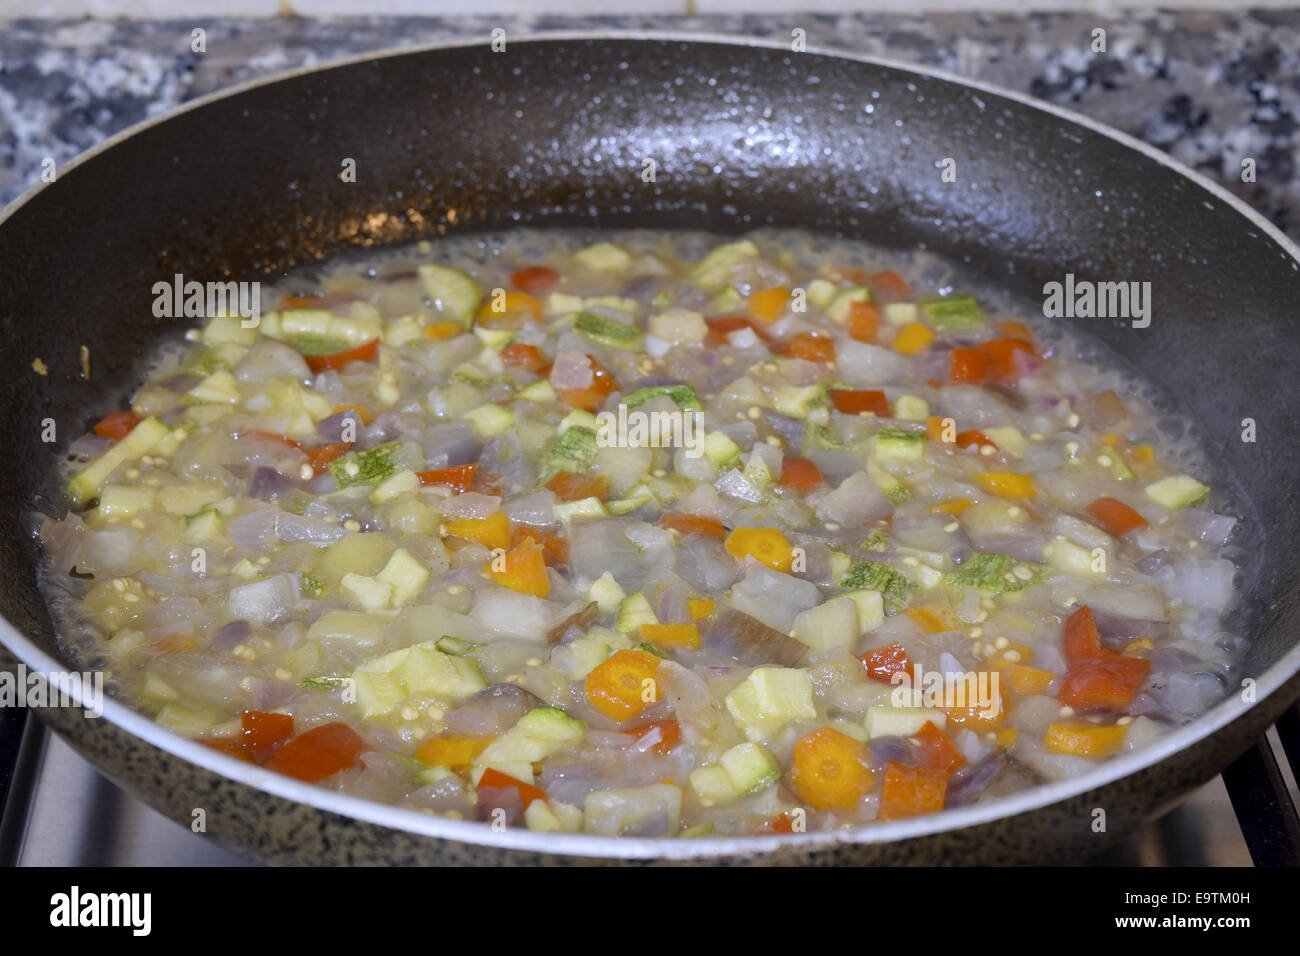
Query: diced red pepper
[
  {"x": 977, "y": 438},
  {"x": 524, "y": 356},
  {"x": 967, "y": 366},
  {"x": 1003, "y": 366},
  {"x": 534, "y": 279},
  {"x": 778, "y": 824},
  {"x": 362, "y": 353},
  {"x": 117, "y": 425},
  {"x": 856, "y": 401},
  {"x": 864, "y": 321},
  {"x": 263, "y": 731},
  {"x": 496, "y": 780},
  {"x": 322, "y": 455},
  {"x": 937, "y": 751},
  {"x": 693, "y": 524},
  {"x": 1114, "y": 516},
  {"x": 457, "y": 478},
  {"x": 884, "y": 662},
  {"x": 800, "y": 473},
  {"x": 809, "y": 346},
  {"x": 1081, "y": 637},
  {"x": 319, "y": 753}
]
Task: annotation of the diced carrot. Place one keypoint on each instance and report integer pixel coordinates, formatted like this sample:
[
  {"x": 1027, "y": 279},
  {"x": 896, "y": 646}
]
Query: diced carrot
[
  {"x": 570, "y": 487},
  {"x": 1029, "y": 680},
  {"x": 510, "y": 310},
  {"x": 809, "y": 346},
  {"x": 320, "y": 456},
  {"x": 700, "y": 608},
  {"x": 624, "y": 684},
  {"x": 672, "y": 635},
  {"x": 493, "y": 779},
  {"x": 493, "y": 531},
  {"x": 319, "y": 753},
  {"x": 1082, "y": 738},
  {"x": 1081, "y": 638},
  {"x": 450, "y": 750},
  {"x": 884, "y": 662},
  {"x": 457, "y": 478},
  {"x": 765, "y": 545},
  {"x": 800, "y": 473},
  {"x": 864, "y": 321},
  {"x": 857, "y": 401},
  {"x": 669, "y": 731},
  {"x": 520, "y": 355},
  {"x": 1012, "y": 329},
  {"x": 693, "y": 524},
  {"x": 891, "y": 282},
  {"x": 1007, "y": 484},
  {"x": 937, "y": 751},
  {"x": 830, "y": 770},
  {"x": 554, "y": 548},
  {"x": 766, "y": 305},
  {"x": 534, "y": 279},
  {"x": 911, "y": 791},
  {"x": 972, "y": 437},
  {"x": 1114, "y": 516},
  {"x": 721, "y": 327},
  {"x": 263, "y": 731},
  {"x": 1001, "y": 355},
  {"x": 593, "y": 396},
  {"x": 117, "y": 425},
  {"x": 524, "y": 570},
  {"x": 1107, "y": 683},
  {"x": 362, "y": 353},
  {"x": 967, "y": 366},
  {"x": 443, "y": 330},
  {"x": 912, "y": 338},
  {"x": 954, "y": 506}
]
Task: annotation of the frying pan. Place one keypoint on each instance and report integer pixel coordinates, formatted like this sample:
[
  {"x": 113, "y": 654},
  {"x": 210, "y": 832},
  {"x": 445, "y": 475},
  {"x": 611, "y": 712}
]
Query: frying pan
[{"x": 553, "y": 133}]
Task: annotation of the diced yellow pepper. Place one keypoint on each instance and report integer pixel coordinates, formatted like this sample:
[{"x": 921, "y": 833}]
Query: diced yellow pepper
[
  {"x": 767, "y": 545},
  {"x": 1029, "y": 680},
  {"x": 672, "y": 635},
  {"x": 493, "y": 531},
  {"x": 954, "y": 507},
  {"x": 700, "y": 608},
  {"x": 913, "y": 338},
  {"x": 1082, "y": 738},
  {"x": 1007, "y": 484}
]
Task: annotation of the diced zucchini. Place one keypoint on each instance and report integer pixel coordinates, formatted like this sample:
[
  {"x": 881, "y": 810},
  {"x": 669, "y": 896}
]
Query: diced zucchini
[
  {"x": 188, "y": 498},
  {"x": 572, "y": 452},
  {"x": 615, "y": 812},
  {"x": 138, "y": 442},
  {"x": 712, "y": 786},
  {"x": 455, "y": 646},
  {"x": 495, "y": 339},
  {"x": 538, "y": 391},
  {"x": 893, "y": 586},
  {"x": 1009, "y": 439},
  {"x": 1119, "y": 466},
  {"x": 871, "y": 609},
  {"x": 713, "y": 271},
  {"x": 603, "y": 257},
  {"x": 405, "y": 575},
  {"x": 893, "y": 488},
  {"x": 821, "y": 293},
  {"x": 538, "y": 734},
  {"x": 1177, "y": 491},
  {"x": 750, "y": 767},
  {"x": 954, "y": 312},
  {"x": 799, "y": 401},
  {"x": 607, "y": 593},
  {"x": 1063, "y": 553},
  {"x": 883, "y": 721},
  {"x": 122, "y": 501},
  {"x": 312, "y": 343},
  {"x": 395, "y": 484},
  {"x": 633, "y": 612},
  {"x": 638, "y": 497},
  {"x": 900, "y": 313},
  {"x": 454, "y": 293},
  {"x": 829, "y": 626},
  {"x": 720, "y": 449},
  {"x": 728, "y": 301},
  {"x": 603, "y": 331},
  {"x": 682, "y": 395},
  {"x": 369, "y": 467},
  {"x": 204, "y": 526},
  {"x": 898, "y": 444},
  {"x": 768, "y": 699},
  {"x": 383, "y": 684},
  {"x": 997, "y": 573},
  {"x": 491, "y": 419}
]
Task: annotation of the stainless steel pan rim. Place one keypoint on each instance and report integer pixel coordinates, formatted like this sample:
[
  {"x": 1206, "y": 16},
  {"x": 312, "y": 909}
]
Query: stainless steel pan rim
[{"x": 643, "y": 848}]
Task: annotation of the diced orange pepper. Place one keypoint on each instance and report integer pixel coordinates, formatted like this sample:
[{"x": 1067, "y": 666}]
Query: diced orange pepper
[
  {"x": 319, "y": 753},
  {"x": 1082, "y": 738},
  {"x": 830, "y": 770},
  {"x": 778, "y": 824},
  {"x": 931, "y": 622},
  {"x": 977, "y": 718},
  {"x": 117, "y": 425},
  {"x": 524, "y": 571},
  {"x": 800, "y": 473},
  {"x": 911, "y": 791},
  {"x": 493, "y": 779},
  {"x": 593, "y": 396},
  {"x": 554, "y": 548},
  {"x": 443, "y": 330},
  {"x": 884, "y": 662},
  {"x": 765, "y": 545},
  {"x": 892, "y": 283},
  {"x": 514, "y": 307},
  {"x": 520, "y": 355},
  {"x": 693, "y": 524},
  {"x": 912, "y": 338},
  {"x": 1001, "y": 354},
  {"x": 967, "y": 366},
  {"x": 450, "y": 750},
  {"x": 362, "y": 353},
  {"x": 1106, "y": 683},
  {"x": 263, "y": 731},
  {"x": 534, "y": 279},
  {"x": 1144, "y": 454},
  {"x": 809, "y": 346},
  {"x": 766, "y": 305},
  {"x": 1029, "y": 680},
  {"x": 954, "y": 507},
  {"x": 670, "y": 732},
  {"x": 624, "y": 684},
  {"x": 570, "y": 487},
  {"x": 856, "y": 401},
  {"x": 934, "y": 427},
  {"x": 864, "y": 321},
  {"x": 458, "y": 478},
  {"x": 493, "y": 531},
  {"x": 1114, "y": 516},
  {"x": 1081, "y": 638},
  {"x": 672, "y": 635},
  {"x": 1007, "y": 484},
  {"x": 700, "y": 608},
  {"x": 973, "y": 437},
  {"x": 937, "y": 751}
]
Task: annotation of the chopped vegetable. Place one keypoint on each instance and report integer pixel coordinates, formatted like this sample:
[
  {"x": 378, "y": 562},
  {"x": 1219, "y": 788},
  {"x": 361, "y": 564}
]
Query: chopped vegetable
[
  {"x": 319, "y": 753},
  {"x": 800, "y": 473},
  {"x": 1114, "y": 516},
  {"x": 911, "y": 791},
  {"x": 458, "y": 478},
  {"x": 913, "y": 338},
  {"x": 830, "y": 771},
  {"x": 854, "y": 402},
  {"x": 362, "y": 353},
  {"x": 117, "y": 425},
  {"x": 765, "y": 545},
  {"x": 997, "y": 573},
  {"x": 937, "y": 751},
  {"x": 693, "y": 524},
  {"x": 884, "y": 662},
  {"x": 874, "y": 576},
  {"x": 369, "y": 467},
  {"x": 1007, "y": 484},
  {"x": 1081, "y": 738},
  {"x": 524, "y": 570},
  {"x": 683, "y": 395},
  {"x": 624, "y": 685},
  {"x": 493, "y": 531}
]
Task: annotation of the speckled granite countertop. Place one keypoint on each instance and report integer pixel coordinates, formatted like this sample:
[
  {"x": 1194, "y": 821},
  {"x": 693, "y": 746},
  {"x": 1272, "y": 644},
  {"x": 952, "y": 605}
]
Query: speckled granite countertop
[{"x": 1209, "y": 87}]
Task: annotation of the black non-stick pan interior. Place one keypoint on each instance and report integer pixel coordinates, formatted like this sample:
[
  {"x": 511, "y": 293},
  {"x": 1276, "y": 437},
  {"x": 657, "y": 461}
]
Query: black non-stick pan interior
[{"x": 556, "y": 133}]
